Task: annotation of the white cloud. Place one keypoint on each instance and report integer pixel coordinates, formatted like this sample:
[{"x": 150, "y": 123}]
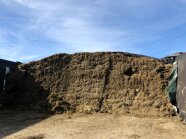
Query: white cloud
[
  {"x": 99, "y": 25},
  {"x": 27, "y": 58},
  {"x": 75, "y": 28}
]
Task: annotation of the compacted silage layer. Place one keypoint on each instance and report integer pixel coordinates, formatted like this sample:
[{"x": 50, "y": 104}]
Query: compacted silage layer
[{"x": 92, "y": 82}]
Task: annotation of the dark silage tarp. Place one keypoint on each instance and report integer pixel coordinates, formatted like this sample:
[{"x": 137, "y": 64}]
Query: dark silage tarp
[
  {"x": 172, "y": 86},
  {"x": 2, "y": 75},
  {"x": 181, "y": 85},
  {"x": 3, "y": 65}
]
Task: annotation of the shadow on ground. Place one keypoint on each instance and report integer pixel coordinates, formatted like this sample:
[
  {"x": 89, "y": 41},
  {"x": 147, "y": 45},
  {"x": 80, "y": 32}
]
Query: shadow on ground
[
  {"x": 22, "y": 95},
  {"x": 12, "y": 121}
]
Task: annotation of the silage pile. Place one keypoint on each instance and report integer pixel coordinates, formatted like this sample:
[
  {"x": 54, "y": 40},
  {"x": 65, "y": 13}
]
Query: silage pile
[{"x": 92, "y": 82}]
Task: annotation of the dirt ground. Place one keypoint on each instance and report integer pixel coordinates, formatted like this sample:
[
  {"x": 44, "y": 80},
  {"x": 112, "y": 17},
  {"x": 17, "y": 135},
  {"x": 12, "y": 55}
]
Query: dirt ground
[{"x": 32, "y": 125}]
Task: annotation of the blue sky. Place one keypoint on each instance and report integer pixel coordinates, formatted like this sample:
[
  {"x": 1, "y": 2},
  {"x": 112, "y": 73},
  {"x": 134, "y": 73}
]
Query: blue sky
[{"x": 33, "y": 29}]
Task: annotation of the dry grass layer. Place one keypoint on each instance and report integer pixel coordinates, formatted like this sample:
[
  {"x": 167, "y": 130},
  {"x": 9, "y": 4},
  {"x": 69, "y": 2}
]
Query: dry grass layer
[{"x": 91, "y": 83}]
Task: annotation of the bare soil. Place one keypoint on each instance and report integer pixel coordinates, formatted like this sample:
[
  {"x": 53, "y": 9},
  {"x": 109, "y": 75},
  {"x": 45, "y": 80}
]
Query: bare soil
[{"x": 31, "y": 125}]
